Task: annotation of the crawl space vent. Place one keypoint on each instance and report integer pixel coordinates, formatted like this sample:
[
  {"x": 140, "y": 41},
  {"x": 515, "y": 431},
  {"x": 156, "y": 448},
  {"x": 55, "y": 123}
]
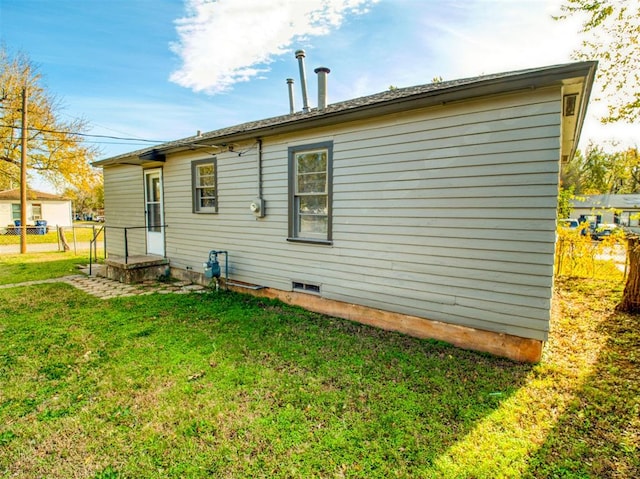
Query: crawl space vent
[{"x": 306, "y": 287}]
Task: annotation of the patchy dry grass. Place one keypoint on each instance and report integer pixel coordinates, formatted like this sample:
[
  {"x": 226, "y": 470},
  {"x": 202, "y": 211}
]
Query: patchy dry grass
[
  {"x": 577, "y": 415},
  {"x": 597, "y": 433},
  {"x": 223, "y": 385}
]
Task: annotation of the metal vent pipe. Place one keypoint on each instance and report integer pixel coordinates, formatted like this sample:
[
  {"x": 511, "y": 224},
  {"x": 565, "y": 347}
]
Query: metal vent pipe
[
  {"x": 303, "y": 80},
  {"x": 322, "y": 73},
  {"x": 292, "y": 106}
]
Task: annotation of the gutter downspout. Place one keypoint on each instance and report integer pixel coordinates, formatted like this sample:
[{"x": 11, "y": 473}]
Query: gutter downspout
[{"x": 259, "y": 140}]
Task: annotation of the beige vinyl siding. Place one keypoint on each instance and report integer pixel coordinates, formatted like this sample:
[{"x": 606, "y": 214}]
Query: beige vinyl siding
[
  {"x": 446, "y": 213},
  {"x": 124, "y": 207}
]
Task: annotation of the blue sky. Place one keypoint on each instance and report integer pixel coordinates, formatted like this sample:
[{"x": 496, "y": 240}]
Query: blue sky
[{"x": 163, "y": 69}]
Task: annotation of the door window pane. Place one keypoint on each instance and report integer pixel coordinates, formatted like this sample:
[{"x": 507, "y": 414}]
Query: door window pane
[
  {"x": 153, "y": 190},
  {"x": 154, "y": 217}
]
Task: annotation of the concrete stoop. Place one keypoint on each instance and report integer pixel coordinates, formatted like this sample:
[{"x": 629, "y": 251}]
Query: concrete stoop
[{"x": 136, "y": 269}]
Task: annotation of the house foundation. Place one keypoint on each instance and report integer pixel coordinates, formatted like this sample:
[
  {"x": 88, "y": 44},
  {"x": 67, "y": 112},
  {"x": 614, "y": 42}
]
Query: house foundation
[{"x": 499, "y": 344}]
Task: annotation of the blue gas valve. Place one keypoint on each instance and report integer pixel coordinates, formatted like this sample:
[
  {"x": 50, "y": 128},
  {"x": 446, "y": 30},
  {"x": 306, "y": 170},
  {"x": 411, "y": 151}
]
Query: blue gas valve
[{"x": 212, "y": 267}]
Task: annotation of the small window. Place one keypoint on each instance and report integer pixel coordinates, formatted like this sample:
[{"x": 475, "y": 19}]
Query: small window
[
  {"x": 36, "y": 211},
  {"x": 205, "y": 186},
  {"x": 15, "y": 211},
  {"x": 310, "y": 188}
]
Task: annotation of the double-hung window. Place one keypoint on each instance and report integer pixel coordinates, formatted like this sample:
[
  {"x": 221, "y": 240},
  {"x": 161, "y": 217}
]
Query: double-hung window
[
  {"x": 15, "y": 211},
  {"x": 36, "y": 211},
  {"x": 310, "y": 188},
  {"x": 204, "y": 174}
]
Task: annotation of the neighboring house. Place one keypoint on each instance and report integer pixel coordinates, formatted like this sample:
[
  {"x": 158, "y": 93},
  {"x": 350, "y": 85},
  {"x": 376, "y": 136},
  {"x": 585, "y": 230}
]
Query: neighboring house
[
  {"x": 54, "y": 209},
  {"x": 429, "y": 210},
  {"x": 623, "y": 210}
]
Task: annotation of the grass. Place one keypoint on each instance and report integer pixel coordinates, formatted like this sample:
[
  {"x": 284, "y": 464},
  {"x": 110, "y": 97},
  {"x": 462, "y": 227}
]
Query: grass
[
  {"x": 225, "y": 385},
  {"x": 18, "y": 268}
]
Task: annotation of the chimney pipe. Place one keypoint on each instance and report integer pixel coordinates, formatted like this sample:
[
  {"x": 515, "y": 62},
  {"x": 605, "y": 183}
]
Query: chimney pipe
[
  {"x": 322, "y": 86},
  {"x": 303, "y": 80},
  {"x": 292, "y": 107}
]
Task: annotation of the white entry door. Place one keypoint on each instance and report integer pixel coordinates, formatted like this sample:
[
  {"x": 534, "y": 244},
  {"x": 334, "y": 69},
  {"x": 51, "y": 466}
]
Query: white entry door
[{"x": 154, "y": 211}]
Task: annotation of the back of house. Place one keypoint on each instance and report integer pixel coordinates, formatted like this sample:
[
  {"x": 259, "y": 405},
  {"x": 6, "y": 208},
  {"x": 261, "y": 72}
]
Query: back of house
[{"x": 429, "y": 210}]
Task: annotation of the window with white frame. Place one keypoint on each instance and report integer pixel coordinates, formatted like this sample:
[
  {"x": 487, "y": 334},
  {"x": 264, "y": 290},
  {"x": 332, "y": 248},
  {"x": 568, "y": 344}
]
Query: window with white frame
[
  {"x": 36, "y": 211},
  {"x": 204, "y": 175},
  {"x": 310, "y": 191},
  {"x": 15, "y": 211}
]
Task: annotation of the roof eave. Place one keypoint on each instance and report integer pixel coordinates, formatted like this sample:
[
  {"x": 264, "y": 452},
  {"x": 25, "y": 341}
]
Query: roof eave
[
  {"x": 542, "y": 77},
  {"x": 586, "y": 94}
]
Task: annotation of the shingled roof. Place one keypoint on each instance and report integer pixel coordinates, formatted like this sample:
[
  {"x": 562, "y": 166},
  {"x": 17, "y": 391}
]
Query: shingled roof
[
  {"x": 390, "y": 101},
  {"x": 31, "y": 195}
]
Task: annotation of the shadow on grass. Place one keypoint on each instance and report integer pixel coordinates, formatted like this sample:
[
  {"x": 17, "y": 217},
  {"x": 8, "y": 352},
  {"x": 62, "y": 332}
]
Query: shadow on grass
[
  {"x": 598, "y": 435},
  {"x": 231, "y": 386}
]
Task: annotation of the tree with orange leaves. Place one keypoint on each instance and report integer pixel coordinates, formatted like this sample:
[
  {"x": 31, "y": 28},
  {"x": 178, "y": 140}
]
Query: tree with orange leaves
[{"x": 56, "y": 150}]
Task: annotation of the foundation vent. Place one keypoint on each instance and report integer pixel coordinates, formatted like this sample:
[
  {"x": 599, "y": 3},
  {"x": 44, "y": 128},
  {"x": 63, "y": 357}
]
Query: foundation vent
[{"x": 306, "y": 287}]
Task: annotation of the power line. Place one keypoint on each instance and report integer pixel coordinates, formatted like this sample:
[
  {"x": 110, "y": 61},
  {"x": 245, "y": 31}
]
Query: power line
[
  {"x": 87, "y": 135},
  {"x": 93, "y": 123},
  {"x": 90, "y": 142}
]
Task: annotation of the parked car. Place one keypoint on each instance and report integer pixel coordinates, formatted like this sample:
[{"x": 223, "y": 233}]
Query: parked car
[
  {"x": 604, "y": 230},
  {"x": 99, "y": 218},
  {"x": 568, "y": 223}
]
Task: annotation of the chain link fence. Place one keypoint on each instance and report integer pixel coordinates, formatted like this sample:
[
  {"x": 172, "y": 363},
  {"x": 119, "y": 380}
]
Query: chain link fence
[
  {"x": 576, "y": 255},
  {"x": 43, "y": 237},
  {"x": 582, "y": 256}
]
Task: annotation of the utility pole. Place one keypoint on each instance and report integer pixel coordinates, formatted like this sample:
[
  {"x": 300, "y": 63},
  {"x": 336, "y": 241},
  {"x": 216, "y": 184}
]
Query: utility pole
[{"x": 23, "y": 176}]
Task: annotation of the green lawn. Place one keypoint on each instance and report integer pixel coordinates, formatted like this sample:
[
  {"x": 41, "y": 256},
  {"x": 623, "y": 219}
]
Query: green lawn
[
  {"x": 18, "y": 268},
  {"x": 228, "y": 386}
]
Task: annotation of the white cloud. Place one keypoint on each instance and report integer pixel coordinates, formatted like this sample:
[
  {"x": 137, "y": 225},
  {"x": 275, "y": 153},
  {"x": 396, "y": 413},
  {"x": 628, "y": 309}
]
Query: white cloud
[
  {"x": 228, "y": 41},
  {"x": 499, "y": 35}
]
